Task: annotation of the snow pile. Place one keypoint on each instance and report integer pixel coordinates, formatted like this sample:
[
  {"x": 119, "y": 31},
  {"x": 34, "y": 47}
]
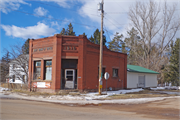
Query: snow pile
[
  {"x": 172, "y": 87},
  {"x": 3, "y": 89},
  {"x": 90, "y": 96},
  {"x": 94, "y": 95},
  {"x": 167, "y": 87},
  {"x": 69, "y": 97},
  {"x": 158, "y": 88}
]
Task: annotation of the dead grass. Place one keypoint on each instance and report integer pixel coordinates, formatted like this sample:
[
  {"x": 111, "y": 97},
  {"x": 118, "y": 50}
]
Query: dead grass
[
  {"x": 131, "y": 96},
  {"x": 142, "y": 94},
  {"x": 28, "y": 93},
  {"x": 15, "y": 86},
  {"x": 168, "y": 90}
]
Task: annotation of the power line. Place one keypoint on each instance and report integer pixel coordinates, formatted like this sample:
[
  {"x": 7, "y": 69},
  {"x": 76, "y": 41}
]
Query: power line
[
  {"x": 113, "y": 23},
  {"x": 128, "y": 12},
  {"x": 114, "y": 20},
  {"x": 49, "y": 17},
  {"x": 107, "y": 32},
  {"x": 117, "y": 12}
]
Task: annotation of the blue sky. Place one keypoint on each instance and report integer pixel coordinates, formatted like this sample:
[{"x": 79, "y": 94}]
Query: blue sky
[{"x": 22, "y": 19}]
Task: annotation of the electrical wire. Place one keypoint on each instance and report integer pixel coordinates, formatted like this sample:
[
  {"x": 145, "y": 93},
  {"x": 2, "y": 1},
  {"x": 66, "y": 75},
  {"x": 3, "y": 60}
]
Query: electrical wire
[
  {"x": 113, "y": 23},
  {"x": 113, "y": 19},
  {"x": 107, "y": 32}
]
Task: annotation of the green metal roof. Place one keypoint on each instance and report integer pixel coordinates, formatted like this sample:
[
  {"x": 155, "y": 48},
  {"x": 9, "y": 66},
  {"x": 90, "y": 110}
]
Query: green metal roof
[{"x": 139, "y": 69}]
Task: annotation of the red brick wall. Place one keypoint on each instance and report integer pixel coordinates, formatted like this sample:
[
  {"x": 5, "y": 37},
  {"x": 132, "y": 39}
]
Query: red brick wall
[{"x": 110, "y": 60}]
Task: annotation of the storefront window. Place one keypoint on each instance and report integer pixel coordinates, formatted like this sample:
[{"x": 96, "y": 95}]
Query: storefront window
[
  {"x": 37, "y": 70},
  {"x": 115, "y": 72},
  {"x": 48, "y": 70}
]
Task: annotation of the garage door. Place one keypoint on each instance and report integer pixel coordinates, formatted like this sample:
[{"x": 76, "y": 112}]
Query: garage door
[{"x": 141, "y": 81}]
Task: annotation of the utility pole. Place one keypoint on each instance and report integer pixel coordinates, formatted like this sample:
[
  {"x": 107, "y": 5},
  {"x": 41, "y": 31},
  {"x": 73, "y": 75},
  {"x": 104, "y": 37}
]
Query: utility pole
[{"x": 101, "y": 47}]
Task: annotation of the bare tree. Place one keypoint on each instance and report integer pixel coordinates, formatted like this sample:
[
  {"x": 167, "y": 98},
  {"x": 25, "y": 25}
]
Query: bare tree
[
  {"x": 157, "y": 26},
  {"x": 19, "y": 63}
]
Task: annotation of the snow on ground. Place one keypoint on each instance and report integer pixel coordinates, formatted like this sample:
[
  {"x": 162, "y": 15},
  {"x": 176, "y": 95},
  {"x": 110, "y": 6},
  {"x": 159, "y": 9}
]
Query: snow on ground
[
  {"x": 158, "y": 88},
  {"x": 94, "y": 95},
  {"x": 3, "y": 89},
  {"x": 89, "y": 98},
  {"x": 85, "y": 101},
  {"x": 167, "y": 87}
]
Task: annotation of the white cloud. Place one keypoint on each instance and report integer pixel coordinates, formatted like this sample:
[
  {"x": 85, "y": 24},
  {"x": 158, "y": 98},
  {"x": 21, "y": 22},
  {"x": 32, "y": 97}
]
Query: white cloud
[
  {"x": 112, "y": 22},
  {"x": 15, "y": 4},
  {"x": 28, "y": 32},
  {"x": 62, "y": 3},
  {"x": 56, "y": 24},
  {"x": 11, "y": 4},
  {"x": 116, "y": 13},
  {"x": 40, "y": 11},
  {"x": 60, "y": 25}
]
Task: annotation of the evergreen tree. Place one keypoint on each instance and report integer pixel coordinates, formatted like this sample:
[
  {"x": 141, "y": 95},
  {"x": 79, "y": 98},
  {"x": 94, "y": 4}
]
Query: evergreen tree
[
  {"x": 70, "y": 31},
  {"x": 25, "y": 47},
  {"x": 63, "y": 32},
  {"x": 84, "y": 34},
  {"x": 133, "y": 46},
  {"x": 171, "y": 72},
  {"x": 115, "y": 44},
  {"x": 4, "y": 66},
  {"x": 92, "y": 39},
  {"x": 97, "y": 37}
]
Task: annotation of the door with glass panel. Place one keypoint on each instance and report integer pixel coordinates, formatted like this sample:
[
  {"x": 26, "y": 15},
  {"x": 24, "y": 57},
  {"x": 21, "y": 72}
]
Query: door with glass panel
[{"x": 69, "y": 78}]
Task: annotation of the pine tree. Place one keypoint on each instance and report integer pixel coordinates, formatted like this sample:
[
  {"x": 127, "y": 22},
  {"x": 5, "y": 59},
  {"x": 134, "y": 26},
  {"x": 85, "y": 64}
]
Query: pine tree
[
  {"x": 96, "y": 37},
  {"x": 132, "y": 45},
  {"x": 84, "y": 34},
  {"x": 171, "y": 72},
  {"x": 115, "y": 44},
  {"x": 92, "y": 39},
  {"x": 25, "y": 47},
  {"x": 70, "y": 31},
  {"x": 4, "y": 66},
  {"x": 63, "y": 32}
]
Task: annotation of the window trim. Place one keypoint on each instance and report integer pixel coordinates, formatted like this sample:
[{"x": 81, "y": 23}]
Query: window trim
[
  {"x": 46, "y": 66},
  {"x": 35, "y": 69}
]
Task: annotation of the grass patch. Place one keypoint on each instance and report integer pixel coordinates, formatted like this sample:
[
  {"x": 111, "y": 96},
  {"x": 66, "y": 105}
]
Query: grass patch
[
  {"x": 168, "y": 90},
  {"x": 141, "y": 92}
]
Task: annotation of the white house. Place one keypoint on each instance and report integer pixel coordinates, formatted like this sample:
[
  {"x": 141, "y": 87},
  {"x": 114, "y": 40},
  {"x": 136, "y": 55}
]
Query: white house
[
  {"x": 18, "y": 69},
  {"x": 140, "y": 77}
]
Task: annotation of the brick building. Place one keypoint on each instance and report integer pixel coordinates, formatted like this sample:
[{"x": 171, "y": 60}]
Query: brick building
[{"x": 71, "y": 62}]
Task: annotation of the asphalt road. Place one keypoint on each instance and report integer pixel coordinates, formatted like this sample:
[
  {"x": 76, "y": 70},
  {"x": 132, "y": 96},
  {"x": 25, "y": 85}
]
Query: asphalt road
[{"x": 17, "y": 109}]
